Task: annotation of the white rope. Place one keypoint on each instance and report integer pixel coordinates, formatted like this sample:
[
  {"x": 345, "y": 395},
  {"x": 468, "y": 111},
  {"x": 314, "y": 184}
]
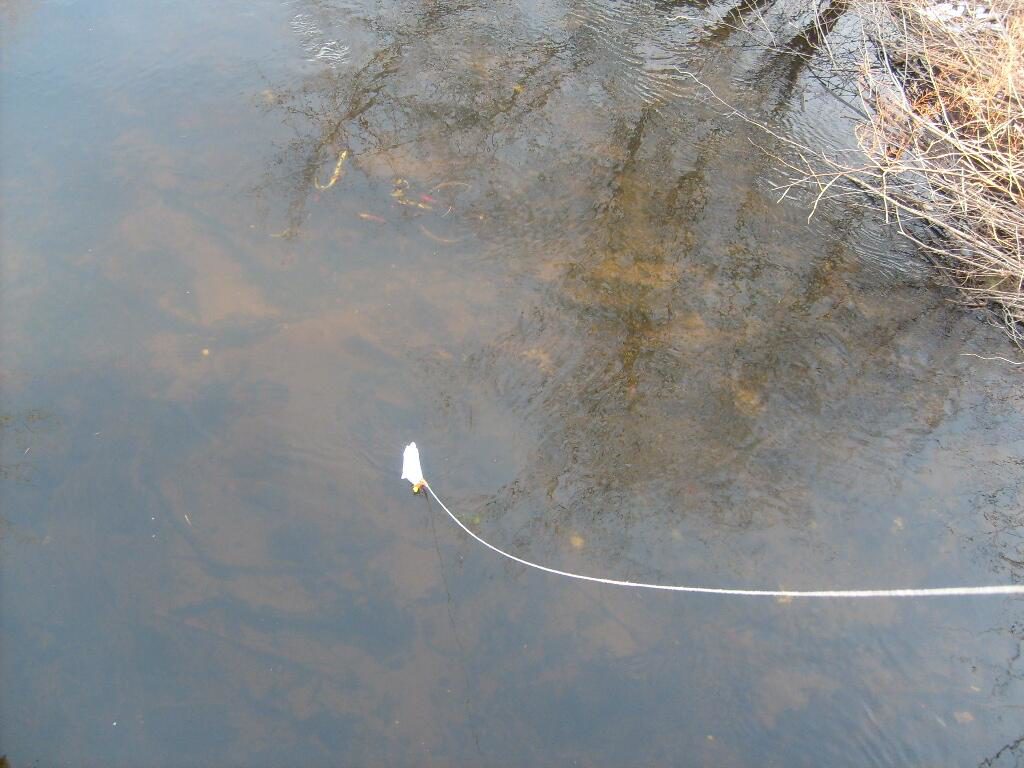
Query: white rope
[{"x": 1010, "y": 589}]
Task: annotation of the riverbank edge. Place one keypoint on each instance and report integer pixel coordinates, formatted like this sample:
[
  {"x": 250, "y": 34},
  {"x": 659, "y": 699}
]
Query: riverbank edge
[{"x": 942, "y": 137}]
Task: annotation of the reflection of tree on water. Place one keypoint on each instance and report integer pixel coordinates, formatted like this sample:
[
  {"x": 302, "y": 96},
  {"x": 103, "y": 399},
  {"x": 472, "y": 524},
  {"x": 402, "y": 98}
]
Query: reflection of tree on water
[
  {"x": 410, "y": 106},
  {"x": 692, "y": 354},
  {"x": 419, "y": 87}
]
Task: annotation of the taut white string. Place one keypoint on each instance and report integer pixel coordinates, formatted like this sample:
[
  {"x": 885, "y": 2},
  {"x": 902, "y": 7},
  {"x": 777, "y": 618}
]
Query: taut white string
[
  {"x": 1012, "y": 589},
  {"x": 1006, "y": 589}
]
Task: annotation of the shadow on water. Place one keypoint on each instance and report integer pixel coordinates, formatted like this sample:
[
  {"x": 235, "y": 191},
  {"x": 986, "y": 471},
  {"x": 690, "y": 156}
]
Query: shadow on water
[{"x": 520, "y": 235}]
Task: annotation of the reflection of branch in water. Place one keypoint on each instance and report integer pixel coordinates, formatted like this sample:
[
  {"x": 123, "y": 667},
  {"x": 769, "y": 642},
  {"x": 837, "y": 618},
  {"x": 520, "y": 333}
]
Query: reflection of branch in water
[
  {"x": 370, "y": 111},
  {"x": 735, "y": 19},
  {"x": 783, "y": 68},
  {"x": 1008, "y": 749}
]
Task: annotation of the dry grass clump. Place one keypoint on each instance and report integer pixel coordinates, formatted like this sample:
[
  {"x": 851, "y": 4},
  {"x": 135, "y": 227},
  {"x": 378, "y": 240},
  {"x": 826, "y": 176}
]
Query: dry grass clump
[{"x": 941, "y": 85}]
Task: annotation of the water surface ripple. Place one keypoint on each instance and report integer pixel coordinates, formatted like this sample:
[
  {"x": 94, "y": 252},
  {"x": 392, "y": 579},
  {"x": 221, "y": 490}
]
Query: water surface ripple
[{"x": 249, "y": 250}]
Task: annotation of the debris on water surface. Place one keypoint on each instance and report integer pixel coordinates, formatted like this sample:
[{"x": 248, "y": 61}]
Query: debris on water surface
[{"x": 399, "y": 196}]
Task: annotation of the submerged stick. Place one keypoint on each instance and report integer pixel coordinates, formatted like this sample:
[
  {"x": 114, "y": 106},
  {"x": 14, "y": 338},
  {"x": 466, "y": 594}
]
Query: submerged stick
[
  {"x": 412, "y": 471},
  {"x": 335, "y": 175}
]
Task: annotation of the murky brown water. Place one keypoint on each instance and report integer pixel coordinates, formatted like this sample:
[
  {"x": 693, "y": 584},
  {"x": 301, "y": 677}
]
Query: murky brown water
[{"x": 559, "y": 267}]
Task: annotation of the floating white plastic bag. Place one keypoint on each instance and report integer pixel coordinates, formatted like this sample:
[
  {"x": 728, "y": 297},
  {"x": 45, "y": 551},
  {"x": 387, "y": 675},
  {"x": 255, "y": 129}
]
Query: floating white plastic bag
[{"x": 411, "y": 470}]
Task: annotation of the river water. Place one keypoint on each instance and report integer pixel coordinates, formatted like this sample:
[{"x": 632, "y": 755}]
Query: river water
[{"x": 251, "y": 249}]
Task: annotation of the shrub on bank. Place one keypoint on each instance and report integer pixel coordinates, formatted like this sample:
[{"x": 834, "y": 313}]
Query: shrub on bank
[{"x": 941, "y": 85}]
